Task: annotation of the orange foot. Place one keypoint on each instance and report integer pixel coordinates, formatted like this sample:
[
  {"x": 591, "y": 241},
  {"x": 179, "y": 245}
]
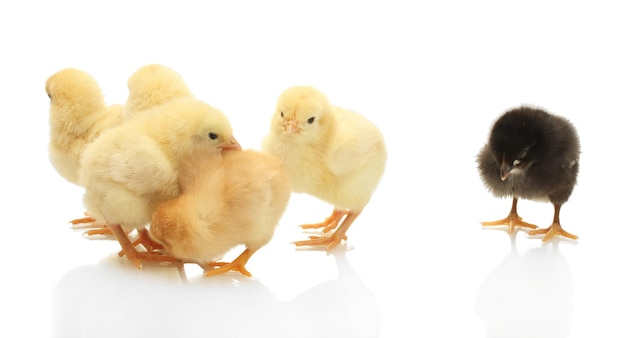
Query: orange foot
[
  {"x": 239, "y": 264},
  {"x": 513, "y": 220},
  {"x": 551, "y": 231},
  {"x": 330, "y": 241},
  {"x": 90, "y": 223},
  {"x": 329, "y": 223}
]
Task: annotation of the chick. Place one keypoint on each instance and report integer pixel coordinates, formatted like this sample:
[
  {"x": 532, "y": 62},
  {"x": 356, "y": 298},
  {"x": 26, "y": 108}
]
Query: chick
[
  {"x": 132, "y": 168},
  {"x": 331, "y": 153},
  {"x": 149, "y": 86},
  {"x": 153, "y": 85},
  {"x": 532, "y": 155},
  {"x": 78, "y": 115},
  {"x": 228, "y": 200}
]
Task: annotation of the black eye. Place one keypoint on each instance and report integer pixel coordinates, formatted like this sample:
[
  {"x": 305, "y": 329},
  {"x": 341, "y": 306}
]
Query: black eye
[
  {"x": 213, "y": 136},
  {"x": 281, "y": 114},
  {"x": 311, "y": 120}
]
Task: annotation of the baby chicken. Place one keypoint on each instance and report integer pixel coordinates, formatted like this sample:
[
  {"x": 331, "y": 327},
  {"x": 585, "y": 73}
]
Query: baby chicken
[
  {"x": 228, "y": 200},
  {"x": 148, "y": 87},
  {"x": 153, "y": 85},
  {"x": 78, "y": 115},
  {"x": 132, "y": 168},
  {"x": 331, "y": 153},
  {"x": 533, "y": 155}
]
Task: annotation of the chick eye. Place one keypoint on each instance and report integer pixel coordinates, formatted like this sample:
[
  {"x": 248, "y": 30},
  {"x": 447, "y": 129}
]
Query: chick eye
[
  {"x": 281, "y": 114},
  {"x": 516, "y": 162},
  {"x": 311, "y": 120},
  {"x": 213, "y": 136}
]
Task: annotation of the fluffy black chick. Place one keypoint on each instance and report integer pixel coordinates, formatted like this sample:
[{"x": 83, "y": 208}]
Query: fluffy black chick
[{"x": 532, "y": 155}]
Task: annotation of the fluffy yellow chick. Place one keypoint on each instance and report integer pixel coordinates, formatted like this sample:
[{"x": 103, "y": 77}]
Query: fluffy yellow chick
[
  {"x": 229, "y": 200},
  {"x": 78, "y": 115},
  {"x": 149, "y": 86},
  {"x": 153, "y": 85},
  {"x": 132, "y": 168},
  {"x": 331, "y": 153}
]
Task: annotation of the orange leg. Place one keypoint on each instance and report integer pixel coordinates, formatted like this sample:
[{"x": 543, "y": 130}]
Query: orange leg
[
  {"x": 239, "y": 264},
  {"x": 336, "y": 237},
  {"x": 553, "y": 230},
  {"x": 512, "y": 220},
  {"x": 329, "y": 223},
  {"x": 132, "y": 254},
  {"x": 144, "y": 239}
]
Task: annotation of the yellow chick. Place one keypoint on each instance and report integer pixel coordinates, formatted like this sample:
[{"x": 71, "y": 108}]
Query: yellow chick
[
  {"x": 132, "y": 168},
  {"x": 153, "y": 85},
  {"x": 228, "y": 200},
  {"x": 78, "y": 115},
  {"x": 331, "y": 153},
  {"x": 149, "y": 86}
]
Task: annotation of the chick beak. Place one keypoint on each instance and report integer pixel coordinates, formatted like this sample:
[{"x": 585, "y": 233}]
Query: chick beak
[
  {"x": 291, "y": 127},
  {"x": 505, "y": 170},
  {"x": 232, "y": 144}
]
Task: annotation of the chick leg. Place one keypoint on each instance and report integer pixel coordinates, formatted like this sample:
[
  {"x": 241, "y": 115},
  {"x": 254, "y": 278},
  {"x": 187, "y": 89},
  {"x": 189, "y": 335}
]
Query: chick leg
[
  {"x": 512, "y": 220},
  {"x": 329, "y": 223},
  {"x": 132, "y": 254},
  {"x": 553, "y": 230},
  {"x": 239, "y": 264},
  {"x": 337, "y": 236},
  {"x": 145, "y": 240}
]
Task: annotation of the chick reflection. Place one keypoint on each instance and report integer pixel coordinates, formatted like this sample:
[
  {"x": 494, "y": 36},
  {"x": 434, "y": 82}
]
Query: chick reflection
[
  {"x": 342, "y": 307},
  {"x": 113, "y": 299},
  {"x": 528, "y": 295}
]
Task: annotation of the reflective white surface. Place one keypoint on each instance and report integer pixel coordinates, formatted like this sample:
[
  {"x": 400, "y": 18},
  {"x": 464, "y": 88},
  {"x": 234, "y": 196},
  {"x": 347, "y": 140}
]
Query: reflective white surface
[{"x": 417, "y": 263}]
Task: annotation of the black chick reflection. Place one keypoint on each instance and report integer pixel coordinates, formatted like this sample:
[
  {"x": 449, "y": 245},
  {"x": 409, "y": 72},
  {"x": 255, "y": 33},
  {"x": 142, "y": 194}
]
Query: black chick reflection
[
  {"x": 113, "y": 299},
  {"x": 528, "y": 295}
]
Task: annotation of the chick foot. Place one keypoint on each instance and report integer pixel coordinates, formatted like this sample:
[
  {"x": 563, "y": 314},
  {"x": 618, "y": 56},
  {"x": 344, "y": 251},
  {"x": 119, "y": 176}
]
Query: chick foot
[
  {"x": 553, "y": 230},
  {"x": 337, "y": 236},
  {"x": 512, "y": 220},
  {"x": 148, "y": 243},
  {"x": 239, "y": 264},
  {"x": 329, "y": 223},
  {"x": 134, "y": 256},
  {"x": 90, "y": 223}
]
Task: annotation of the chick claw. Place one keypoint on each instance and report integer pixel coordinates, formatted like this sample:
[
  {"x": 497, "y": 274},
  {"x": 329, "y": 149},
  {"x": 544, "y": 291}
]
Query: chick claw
[
  {"x": 512, "y": 221},
  {"x": 89, "y": 222},
  {"x": 330, "y": 223},
  {"x": 239, "y": 264},
  {"x": 330, "y": 241},
  {"x": 552, "y": 231}
]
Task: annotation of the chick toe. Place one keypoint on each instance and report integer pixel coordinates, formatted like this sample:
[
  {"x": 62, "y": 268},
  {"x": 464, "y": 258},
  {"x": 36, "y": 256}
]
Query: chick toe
[
  {"x": 239, "y": 264},
  {"x": 330, "y": 223},
  {"x": 553, "y": 230},
  {"x": 513, "y": 220}
]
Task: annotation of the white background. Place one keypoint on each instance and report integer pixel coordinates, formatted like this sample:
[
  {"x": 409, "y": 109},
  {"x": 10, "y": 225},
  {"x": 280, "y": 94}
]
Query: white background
[{"x": 417, "y": 263}]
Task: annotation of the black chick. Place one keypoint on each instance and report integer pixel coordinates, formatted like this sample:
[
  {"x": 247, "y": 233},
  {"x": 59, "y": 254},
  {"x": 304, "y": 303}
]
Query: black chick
[{"x": 532, "y": 155}]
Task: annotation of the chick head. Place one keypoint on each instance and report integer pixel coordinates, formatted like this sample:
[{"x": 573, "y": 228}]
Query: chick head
[
  {"x": 302, "y": 113},
  {"x": 74, "y": 87},
  {"x": 517, "y": 140},
  {"x": 153, "y": 85},
  {"x": 183, "y": 126}
]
